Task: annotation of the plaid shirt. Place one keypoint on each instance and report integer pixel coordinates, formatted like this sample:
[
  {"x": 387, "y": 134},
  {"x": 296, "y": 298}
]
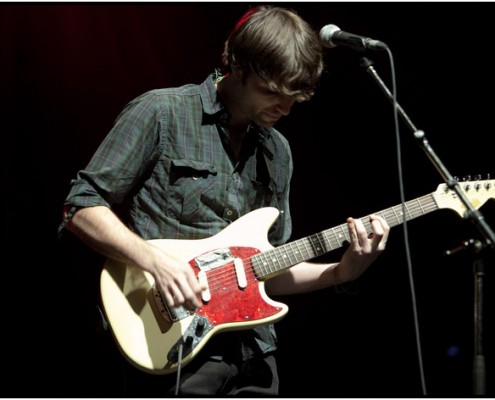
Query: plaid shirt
[{"x": 167, "y": 158}]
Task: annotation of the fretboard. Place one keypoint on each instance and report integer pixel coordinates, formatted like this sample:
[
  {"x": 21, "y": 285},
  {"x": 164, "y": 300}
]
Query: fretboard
[{"x": 283, "y": 257}]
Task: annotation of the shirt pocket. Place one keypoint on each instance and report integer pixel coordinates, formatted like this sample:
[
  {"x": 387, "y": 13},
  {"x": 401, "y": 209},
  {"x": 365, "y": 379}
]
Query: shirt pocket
[{"x": 190, "y": 181}]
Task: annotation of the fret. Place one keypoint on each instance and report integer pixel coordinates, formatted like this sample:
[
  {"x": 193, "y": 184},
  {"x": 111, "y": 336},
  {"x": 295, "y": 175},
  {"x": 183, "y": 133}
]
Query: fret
[
  {"x": 420, "y": 206},
  {"x": 337, "y": 238},
  {"x": 292, "y": 253},
  {"x": 345, "y": 233},
  {"x": 397, "y": 216}
]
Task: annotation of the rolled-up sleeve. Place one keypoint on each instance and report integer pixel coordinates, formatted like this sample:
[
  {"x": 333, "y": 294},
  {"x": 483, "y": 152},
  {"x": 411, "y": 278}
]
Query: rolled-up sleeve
[{"x": 123, "y": 157}]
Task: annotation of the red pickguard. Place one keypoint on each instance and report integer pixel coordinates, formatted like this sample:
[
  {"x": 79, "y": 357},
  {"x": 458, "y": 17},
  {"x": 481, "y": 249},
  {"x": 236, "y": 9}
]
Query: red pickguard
[{"x": 229, "y": 303}]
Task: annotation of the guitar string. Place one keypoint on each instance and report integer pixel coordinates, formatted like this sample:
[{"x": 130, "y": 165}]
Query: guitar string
[
  {"x": 414, "y": 208},
  {"x": 220, "y": 278},
  {"x": 393, "y": 216},
  {"x": 300, "y": 245}
]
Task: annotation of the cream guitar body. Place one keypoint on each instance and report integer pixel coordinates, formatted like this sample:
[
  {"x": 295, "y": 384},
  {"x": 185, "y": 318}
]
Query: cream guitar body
[{"x": 234, "y": 265}]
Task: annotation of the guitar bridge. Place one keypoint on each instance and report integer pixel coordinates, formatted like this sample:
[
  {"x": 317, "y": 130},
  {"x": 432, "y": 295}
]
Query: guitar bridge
[
  {"x": 193, "y": 335},
  {"x": 170, "y": 314}
]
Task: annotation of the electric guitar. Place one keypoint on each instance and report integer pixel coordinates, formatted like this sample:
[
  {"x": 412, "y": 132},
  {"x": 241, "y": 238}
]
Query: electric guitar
[{"x": 234, "y": 265}]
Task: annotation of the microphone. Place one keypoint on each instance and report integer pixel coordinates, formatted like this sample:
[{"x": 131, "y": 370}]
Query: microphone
[{"x": 331, "y": 36}]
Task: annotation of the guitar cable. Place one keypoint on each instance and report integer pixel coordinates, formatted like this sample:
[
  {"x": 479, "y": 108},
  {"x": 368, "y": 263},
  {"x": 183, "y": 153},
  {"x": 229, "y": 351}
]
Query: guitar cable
[
  {"x": 177, "y": 381},
  {"x": 366, "y": 63}
]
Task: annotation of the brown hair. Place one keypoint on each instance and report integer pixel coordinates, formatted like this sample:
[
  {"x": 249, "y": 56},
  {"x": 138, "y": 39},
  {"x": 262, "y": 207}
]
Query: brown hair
[{"x": 280, "y": 47}]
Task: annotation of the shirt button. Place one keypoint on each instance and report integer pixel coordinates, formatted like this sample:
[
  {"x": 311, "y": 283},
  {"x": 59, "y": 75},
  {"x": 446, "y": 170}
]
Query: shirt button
[{"x": 229, "y": 212}]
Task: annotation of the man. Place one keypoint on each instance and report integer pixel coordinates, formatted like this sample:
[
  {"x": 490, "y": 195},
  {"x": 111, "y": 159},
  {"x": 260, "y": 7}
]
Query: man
[{"x": 191, "y": 160}]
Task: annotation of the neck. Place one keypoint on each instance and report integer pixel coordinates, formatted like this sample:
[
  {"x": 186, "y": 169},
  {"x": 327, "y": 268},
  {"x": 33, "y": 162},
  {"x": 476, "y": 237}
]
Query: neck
[{"x": 228, "y": 89}]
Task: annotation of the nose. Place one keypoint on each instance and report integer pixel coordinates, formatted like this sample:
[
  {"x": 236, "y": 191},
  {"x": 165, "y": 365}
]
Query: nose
[{"x": 284, "y": 104}]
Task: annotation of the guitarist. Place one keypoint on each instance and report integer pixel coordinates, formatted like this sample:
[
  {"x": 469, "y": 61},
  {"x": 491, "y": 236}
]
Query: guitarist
[{"x": 189, "y": 161}]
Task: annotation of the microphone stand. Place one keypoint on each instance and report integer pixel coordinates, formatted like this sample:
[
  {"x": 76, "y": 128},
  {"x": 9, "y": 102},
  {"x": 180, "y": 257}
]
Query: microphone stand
[
  {"x": 476, "y": 248},
  {"x": 471, "y": 213},
  {"x": 479, "y": 374}
]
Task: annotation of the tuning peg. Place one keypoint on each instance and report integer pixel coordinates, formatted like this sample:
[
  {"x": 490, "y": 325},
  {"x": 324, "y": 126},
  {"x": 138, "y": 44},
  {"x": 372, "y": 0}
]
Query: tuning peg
[{"x": 466, "y": 178}]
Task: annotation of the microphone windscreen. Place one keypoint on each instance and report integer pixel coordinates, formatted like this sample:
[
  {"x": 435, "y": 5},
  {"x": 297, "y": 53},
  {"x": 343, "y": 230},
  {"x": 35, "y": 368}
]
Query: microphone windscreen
[{"x": 326, "y": 34}]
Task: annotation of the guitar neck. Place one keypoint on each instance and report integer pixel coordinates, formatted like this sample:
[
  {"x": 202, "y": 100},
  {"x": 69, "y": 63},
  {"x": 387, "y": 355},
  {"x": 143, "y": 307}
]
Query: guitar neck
[{"x": 286, "y": 256}]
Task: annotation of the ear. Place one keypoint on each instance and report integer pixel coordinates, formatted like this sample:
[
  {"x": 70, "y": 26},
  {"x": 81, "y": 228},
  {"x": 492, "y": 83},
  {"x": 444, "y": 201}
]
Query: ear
[{"x": 238, "y": 73}]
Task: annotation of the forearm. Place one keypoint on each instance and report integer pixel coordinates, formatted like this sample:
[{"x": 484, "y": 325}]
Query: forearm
[
  {"x": 309, "y": 276},
  {"x": 102, "y": 230},
  {"x": 304, "y": 278},
  {"x": 363, "y": 250}
]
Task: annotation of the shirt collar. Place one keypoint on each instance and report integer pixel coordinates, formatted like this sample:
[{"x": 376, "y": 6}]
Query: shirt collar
[{"x": 214, "y": 110}]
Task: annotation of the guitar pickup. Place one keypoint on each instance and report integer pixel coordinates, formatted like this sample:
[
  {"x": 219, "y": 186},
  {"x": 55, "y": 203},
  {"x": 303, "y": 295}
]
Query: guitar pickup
[{"x": 240, "y": 273}]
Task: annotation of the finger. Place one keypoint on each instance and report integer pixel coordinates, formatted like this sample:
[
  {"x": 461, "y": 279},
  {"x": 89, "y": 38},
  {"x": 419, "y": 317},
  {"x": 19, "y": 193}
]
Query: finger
[
  {"x": 361, "y": 234},
  {"x": 351, "y": 227},
  {"x": 189, "y": 296},
  {"x": 168, "y": 298},
  {"x": 198, "y": 288},
  {"x": 177, "y": 296},
  {"x": 382, "y": 221},
  {"x": 172, "y": 296},
  {"x": 377, "y": 228},
  {"x": 380, "y": 230}
]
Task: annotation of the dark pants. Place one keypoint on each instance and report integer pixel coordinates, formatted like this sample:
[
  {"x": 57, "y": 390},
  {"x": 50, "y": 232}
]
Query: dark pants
[
  {"x": 256, "y": 377},
  {"x": 252, "y": 378}
]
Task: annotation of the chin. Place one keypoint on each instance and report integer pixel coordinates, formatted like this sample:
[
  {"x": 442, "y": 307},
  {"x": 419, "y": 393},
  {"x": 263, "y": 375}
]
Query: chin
[{"x": 267, "y": 122}]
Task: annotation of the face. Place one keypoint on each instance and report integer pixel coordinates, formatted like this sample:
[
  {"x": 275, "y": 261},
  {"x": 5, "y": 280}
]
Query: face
[{"x": 260, "y": 104}]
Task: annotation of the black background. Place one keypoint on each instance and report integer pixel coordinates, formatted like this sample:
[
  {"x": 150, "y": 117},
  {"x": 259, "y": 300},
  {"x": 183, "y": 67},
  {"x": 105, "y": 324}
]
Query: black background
[{"x": 67, "y": 70}]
